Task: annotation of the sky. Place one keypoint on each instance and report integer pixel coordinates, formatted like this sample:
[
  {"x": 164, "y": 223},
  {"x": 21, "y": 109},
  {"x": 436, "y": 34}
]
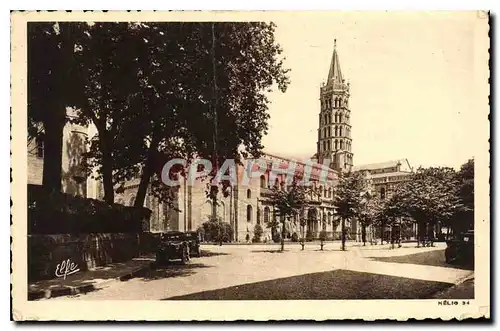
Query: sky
[{"x": 414, "y": 85}]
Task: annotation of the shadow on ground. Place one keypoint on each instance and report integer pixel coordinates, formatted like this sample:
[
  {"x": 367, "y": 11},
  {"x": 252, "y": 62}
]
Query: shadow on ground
[
  {"x": 173, "y": 269},
  {"x": 431, "y": 258},
  {"x": 205, "y": 253},
  {"x": 276, "y": 250},
  {"x": 331, "y": 285}
]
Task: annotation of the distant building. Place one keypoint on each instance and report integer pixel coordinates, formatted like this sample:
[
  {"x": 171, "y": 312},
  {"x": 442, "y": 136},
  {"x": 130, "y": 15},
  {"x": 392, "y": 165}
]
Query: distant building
[
  {"x": 382, "y": 179},
  {"x": 384, "y": 176}
]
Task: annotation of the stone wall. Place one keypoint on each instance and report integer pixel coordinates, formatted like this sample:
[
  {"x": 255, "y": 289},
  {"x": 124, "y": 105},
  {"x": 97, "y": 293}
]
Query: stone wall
[{"x": 88, "y": 251}]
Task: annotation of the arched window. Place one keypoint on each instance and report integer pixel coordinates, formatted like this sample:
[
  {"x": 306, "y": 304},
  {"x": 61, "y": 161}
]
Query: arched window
[
  {"x": 336, "y": 144},
  {"x": 321, "y": 190},
  {"x": 263, "y": 183},
  {"x": 249, "y": 213},
  {"x": 329, "y": 118},
  {"x": 324, "y": 132},
  {"x": 341, "y": 144},
  {"x": 329, "y": 146},
  {"x": 340, "y": 131},
  {"x": 131, "y": 200},
  {"x": 324, "y": 145},
  {"x": 249, "y": 194},
  {"x": 329, "y": 131},
  {"x": 336, "y": 131},
  {"x": 340, "y": 118}
]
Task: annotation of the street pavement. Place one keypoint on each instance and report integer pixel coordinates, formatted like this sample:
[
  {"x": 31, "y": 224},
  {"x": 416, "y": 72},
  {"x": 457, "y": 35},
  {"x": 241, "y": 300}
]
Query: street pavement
[{"x": 232, "y": 265}]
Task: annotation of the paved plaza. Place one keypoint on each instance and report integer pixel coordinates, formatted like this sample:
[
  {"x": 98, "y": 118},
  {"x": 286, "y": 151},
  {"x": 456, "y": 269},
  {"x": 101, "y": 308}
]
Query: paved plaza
[{"x": 261, "y": 272}]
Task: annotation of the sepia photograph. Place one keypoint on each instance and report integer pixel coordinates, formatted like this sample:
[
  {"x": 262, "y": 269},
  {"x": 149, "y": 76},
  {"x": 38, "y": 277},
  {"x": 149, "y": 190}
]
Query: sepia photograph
[{"x": 176, "y": 159}]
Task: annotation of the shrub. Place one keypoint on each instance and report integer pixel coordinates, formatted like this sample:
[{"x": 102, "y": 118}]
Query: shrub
[
  {"x": 56, "y": 213},
  {"x": 309, "y": 236},
  {"x": 295, "y": 237},
  {"x": 215, "y": 230},
  {"x": 276, "y": 237},
  {"x": 257, "y": 233}
]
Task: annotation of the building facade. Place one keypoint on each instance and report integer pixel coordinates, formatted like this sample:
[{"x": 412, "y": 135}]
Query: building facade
[{"x": 246, "y": 204}]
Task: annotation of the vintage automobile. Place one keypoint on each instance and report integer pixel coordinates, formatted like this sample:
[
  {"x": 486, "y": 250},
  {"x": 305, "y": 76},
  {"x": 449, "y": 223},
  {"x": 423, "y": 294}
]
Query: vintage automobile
[
  {"x": 193, "y": 238},
  {"x": 172, "y": 246},
  {"x": 460, "y": 250}
]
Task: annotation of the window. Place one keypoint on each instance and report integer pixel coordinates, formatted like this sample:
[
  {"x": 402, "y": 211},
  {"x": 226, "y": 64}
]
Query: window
[
  {"x": 329, "y": 131},
  {"x": 321, "y": 190},
  {"x": 249, "y": 213},
  {"x": 329, "y": 147},
  {"x": 340, "y": 131},
  {"x": 249, "y": 194},
  {"x": 324, "y": 145},
  {"x": 336, "y": 144},
  {"x": 263, "y": 183},
  {"x": 330, "y": 192},
  {"x": 266, "y": 214},
  {"x": 39, "y": 147},
  {"x": 341, "y": 144}
]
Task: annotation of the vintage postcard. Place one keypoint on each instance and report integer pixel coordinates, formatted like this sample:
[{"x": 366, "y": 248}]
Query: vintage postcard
[{"x": 196, "y": 166}]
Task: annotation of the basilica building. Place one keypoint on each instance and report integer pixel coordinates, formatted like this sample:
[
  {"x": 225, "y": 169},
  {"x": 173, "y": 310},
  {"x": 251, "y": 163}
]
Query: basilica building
[{"x": 247, "y": 204}]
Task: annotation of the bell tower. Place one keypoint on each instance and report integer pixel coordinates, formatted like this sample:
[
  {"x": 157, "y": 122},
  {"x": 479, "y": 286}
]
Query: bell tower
[{"x": 334, "y": 133}]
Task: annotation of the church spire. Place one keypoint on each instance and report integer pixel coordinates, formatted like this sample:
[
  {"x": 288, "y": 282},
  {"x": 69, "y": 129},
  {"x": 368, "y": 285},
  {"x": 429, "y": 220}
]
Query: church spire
[{"x": 335, "y": 74}]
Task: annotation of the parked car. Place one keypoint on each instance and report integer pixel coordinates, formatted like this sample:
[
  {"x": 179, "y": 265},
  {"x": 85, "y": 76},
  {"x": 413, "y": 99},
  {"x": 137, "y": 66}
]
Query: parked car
[
  {"x": 460, "y": 250},
  {"x": 193, "y": 238},
  {"x": 172, "y": 246}
]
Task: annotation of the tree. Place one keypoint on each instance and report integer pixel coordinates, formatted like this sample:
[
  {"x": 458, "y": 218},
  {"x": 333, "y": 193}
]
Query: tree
[
  {"x": 348, "y": 199},
  {"x": 429, "y": 197},
  {"x": 390, "y": 212},
  {"x": 217, "y": 231},
  {"x": 51, "y": 56},
  {"x": 463, "y": 219},
  {"x": 370, "y": 212},
  {"x": 322, "y": 238},
  {"x": 257, "y": 233},
  {"x": 182, "y": 89},
  {"x": 287, "y": 204}
]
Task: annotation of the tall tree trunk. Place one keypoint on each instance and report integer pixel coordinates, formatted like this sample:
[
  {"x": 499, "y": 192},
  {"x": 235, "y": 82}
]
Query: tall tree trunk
[
  {"x": 363, "y": 234},
  {"x": 147, "y": 172},
  {"x": 343, "y": 233},
  {"x": 382, "y": 225},
  {"x": 52, "y": 154},
  {"x": 283, "y": 230},
  {"x": 55, "y": 119},
  {"x": 107, "y": 166},
  {"x": 392, "y": 236}
]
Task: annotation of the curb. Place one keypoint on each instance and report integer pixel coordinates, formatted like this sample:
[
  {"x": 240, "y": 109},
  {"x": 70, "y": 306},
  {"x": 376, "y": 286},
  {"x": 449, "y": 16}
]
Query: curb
[{"x": 85, "y": 288}]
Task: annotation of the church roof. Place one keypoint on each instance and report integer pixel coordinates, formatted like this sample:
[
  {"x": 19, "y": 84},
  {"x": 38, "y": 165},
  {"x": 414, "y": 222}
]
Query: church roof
[
  {"x": 335, "y": 74},
  {"x": 380, "y": 165}
]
